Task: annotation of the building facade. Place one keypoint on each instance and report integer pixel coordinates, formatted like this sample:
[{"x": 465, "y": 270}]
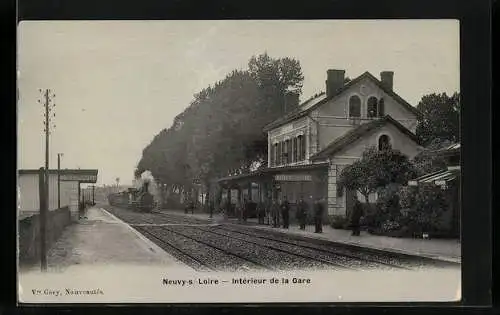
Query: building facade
[
  {"x": 70, "y": 180},
  {"x": 309, "y": 147}
]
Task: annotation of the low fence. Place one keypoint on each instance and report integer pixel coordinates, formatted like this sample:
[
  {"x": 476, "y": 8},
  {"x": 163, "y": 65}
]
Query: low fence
[{"x": 29, "y": 233}]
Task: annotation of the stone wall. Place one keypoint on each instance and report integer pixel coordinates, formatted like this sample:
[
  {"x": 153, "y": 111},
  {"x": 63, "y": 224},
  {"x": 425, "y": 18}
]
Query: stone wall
[{"x": 29, "y": 233}]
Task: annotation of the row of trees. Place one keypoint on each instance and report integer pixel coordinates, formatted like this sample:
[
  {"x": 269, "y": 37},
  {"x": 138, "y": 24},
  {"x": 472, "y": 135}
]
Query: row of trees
[{"x": 220, "y": 132}]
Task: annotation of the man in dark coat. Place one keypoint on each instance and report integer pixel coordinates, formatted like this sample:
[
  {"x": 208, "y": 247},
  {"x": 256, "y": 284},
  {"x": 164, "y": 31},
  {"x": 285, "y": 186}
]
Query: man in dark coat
[
  {"x": 246, "y": 209},
  {"x": 302, "y": 213},
  {"x": 285, "y": 212},
  {"x": 261, "y": 211},
  {"x": 318, "y": 215},
  {"x": 268, "y": 206},
  {"x": 356, "y": 214},
  {"x": 275, "y": 212}
]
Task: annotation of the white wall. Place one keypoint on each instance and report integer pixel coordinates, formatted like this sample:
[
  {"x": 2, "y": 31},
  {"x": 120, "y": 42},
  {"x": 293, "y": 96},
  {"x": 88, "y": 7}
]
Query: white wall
[{"x": 29, "y": 193}]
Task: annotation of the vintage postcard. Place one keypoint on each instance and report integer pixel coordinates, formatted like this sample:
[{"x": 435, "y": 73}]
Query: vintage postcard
[{"x": 239, "y": 161}]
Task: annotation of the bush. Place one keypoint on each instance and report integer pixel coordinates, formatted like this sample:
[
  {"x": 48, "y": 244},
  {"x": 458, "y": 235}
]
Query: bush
[
  {"x": 388, "y": 203},
  {"x": 386, "y": 208},
  {"x": 407, "y": 211},
  {"x": 371, "y": 218},
  {"x": 338, "y": 222},
  {"x": 423, "y": 206}
]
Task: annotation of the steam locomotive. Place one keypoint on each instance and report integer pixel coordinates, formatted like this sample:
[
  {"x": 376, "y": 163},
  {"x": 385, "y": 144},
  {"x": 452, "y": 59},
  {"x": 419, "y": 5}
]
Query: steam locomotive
[{"x": 136, "y": 199}]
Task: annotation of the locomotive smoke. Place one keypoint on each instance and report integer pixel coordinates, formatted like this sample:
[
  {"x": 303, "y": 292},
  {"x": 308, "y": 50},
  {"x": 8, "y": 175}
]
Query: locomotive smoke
[{"x": 147, "y": 177}]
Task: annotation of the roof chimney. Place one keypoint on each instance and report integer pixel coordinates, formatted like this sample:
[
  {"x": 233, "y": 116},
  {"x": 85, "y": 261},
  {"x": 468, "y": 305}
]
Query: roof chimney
[
  {"x": 387, "y": 79},
  {"x": 291, "y": 100},
  {"x": 334, "y": 81}
]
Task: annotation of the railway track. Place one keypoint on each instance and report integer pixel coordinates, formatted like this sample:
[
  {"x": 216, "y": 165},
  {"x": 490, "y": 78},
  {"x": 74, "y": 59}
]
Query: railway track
[
  {"x": 377, "y": 257},
  {"x": 200, "y": 254},
  {"x": 404, "y": 261},
  {"x": 208, "y": 246},
  {"x": 181, "y": 254},
  {"x": 327, "y": 257}
]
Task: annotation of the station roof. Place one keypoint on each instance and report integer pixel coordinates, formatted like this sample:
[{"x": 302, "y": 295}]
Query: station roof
[{"x": 77, "y": 175}]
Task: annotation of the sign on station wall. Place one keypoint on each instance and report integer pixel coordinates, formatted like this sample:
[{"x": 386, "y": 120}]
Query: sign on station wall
[
  {"x": 79, "y": 178},
  {"x": 293, "y": 178}
]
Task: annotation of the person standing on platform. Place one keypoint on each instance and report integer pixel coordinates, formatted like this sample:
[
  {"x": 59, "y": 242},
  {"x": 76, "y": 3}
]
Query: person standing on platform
[
  {"x": 318, "y": 215},
  {"x": 245, "y": 209},
  {"x": 302, "y": 213},
  {"x": 355, "y": 217},
  {"x": 268, "y": 207},
  {"x": 275, "y": 213},
  {"x": 285, "y": 212},
  {"x": 261, "y": 212},
  {"x": 211, "y": 206}
]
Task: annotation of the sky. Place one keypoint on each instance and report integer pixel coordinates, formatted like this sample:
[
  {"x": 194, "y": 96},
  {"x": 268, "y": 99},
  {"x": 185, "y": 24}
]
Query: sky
[{"x": 119, "y": 83}]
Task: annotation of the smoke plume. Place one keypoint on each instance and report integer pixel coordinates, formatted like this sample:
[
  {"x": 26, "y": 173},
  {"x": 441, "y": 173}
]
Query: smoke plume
[{"x": 147, "y": 177}]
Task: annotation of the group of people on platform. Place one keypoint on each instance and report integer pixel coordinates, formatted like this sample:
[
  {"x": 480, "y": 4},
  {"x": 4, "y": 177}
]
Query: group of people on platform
[{"x": 277, "y": 213}]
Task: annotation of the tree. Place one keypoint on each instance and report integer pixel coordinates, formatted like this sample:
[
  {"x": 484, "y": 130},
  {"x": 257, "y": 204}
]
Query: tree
[
  {"x": 440, "y": 118},
  {"x": 376, "y": 169},
  {"x": 428, "y": 162},
  {"x": 275, "y": 77},
  {"x": 220, "y": 132}
]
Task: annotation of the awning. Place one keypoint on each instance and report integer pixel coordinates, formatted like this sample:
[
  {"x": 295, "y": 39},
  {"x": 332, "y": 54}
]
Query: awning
[{"x": 440, "y": 178}]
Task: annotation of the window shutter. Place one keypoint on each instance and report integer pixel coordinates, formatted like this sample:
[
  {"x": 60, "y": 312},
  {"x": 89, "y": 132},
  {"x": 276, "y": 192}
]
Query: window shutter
[
  {"x": 295, "y": 149},
  {"x": 301, "y": 153}
]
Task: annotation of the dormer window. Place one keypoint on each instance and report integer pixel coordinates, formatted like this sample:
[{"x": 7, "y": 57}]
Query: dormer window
[
  {"x": 354, "y": 106},
  {"x": 372, "y": 107}
]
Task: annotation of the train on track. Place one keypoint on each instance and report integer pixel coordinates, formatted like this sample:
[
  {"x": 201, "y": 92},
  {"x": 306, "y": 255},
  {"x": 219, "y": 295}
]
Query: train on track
[{"x": 136, "y": 199}]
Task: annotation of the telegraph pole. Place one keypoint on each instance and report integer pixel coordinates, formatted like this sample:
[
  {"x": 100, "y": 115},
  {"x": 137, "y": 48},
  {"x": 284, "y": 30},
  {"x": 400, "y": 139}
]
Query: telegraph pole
[
  {"x": 59, "y": 180},
  {"x": 44, "y": 206}
]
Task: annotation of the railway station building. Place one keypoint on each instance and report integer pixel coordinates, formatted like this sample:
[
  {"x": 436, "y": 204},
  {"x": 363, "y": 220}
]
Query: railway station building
[{"x": 309, "y": 146}]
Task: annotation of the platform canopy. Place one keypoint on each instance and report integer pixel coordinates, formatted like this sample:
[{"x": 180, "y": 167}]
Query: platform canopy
[
  {"x": 69, "y": 175},
  {"x": 294, "y": 173}
]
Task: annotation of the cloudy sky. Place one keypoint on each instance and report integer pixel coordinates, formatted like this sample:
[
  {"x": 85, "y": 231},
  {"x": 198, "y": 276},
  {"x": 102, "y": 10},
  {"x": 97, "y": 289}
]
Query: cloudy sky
[{"x": 118, "y": 83}]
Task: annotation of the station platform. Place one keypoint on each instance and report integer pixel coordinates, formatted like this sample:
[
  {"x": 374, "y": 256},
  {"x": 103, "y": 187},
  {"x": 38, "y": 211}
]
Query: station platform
[
  {"x": 441, "y": 249},
  {"x": 103, "y": 240}
]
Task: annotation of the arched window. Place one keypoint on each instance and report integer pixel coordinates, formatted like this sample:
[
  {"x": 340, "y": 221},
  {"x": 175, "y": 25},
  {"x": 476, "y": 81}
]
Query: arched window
[
  {"x": 381, "y": 109},
  {"x": 372, "y": 107},
  {"x": 354, "y": 106},
  {"x": 384, "y": 142}
]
